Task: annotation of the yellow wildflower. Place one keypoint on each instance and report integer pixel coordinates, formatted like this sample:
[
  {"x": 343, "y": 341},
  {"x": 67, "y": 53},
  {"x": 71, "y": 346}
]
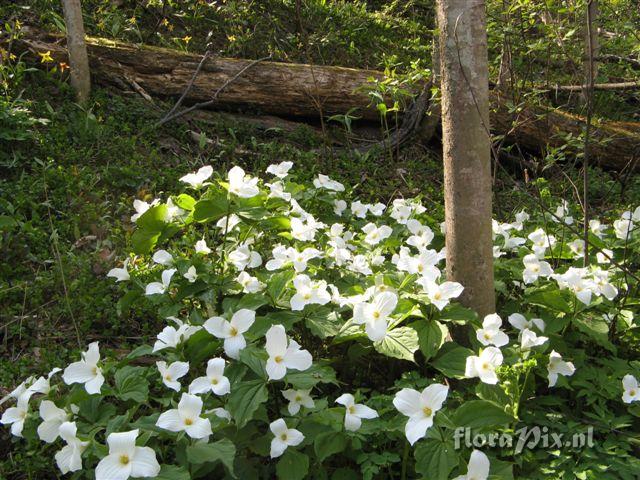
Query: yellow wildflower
[{"x": 46, "y": 57}]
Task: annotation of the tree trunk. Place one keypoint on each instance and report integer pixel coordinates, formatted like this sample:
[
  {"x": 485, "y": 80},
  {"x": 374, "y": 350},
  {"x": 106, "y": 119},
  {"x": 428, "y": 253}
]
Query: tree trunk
[
  {"x": 467, "y": 150},
  {"x": 591, "y": 46},
  {"x": 78, "y": 59}
]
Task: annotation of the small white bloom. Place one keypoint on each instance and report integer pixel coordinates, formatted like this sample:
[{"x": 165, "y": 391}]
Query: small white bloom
[
  {"x": 86, "y": 370},
  {"x": 354, "y": 412},
  {"x": 490, "y": 333},
  {"x": 631, "y": 392},
  {"x": 298, "y": 398},
  {"x": 377, "y": 209},
  {"x": 577, "y": 248},
  {"x": 249, "y": 284},
  {"x": 280, "y": 170},
  {"x": 226, "y": 224},
  {"x": 241, "y": 184},
  {"x": 69, "y": 458},
  {"x": 541, "y": 241},
  {"x": 201, "y": 247},
  {"x": 478, "y": 468},
  {"x": 126, "y": 460},
  {"x": 604, "y": 256},
  {"x": 308, "y": 292},
  {"x": 198, "y": 179},
  {"x": 120, "y": 274},
  {"x": 562, "y": 213},
  {"x": 15, "y": 416},
  {"x": 305, "y": 229},
  {"x": 623, "y": 226},
  {"x": 284, "y": 354},
  {"x": 484, "y": 365},
  {"x": 529, "y": 339},
  {"x": 375, "y": 234},
  {"x": 374, "y": 314},
  {"x": 520, "y": 322},
  {"x": 534, "y": 268},
  {"x": 171, "y": 373},
  {"x": 359, "y": 209},
  {"x": 214, "y": 381},
  {"x": 186, "y": 418},
  {"x": 283, "y": 437},
  {"x": 162, "y": 257},
  {"x": 191, "y": 275},
  {"x": 243, "y": 257},
  {"x": 323, "y": 181},
  {"x": 158, "y": 288},
  {"x": 276, "y": 190},
  {"x": 170, "y": 337},
  {"x": 597, "y": 228},
  {"x": 441, "y": 295},
  {"x": 420, "y": 407},
  {"x": 557, "y": 366},
  {"x": 232, "y": 331},
  {"x": 360, "y": 264},
  {"x": 339, "y": 206},
  {"x": 140, "y": 206},
  {"x": 52, "y": 418}
]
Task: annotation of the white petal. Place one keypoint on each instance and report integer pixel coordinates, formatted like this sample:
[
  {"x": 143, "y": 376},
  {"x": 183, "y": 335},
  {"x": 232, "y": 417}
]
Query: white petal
[
  {"x": 297, "y": 359},
  {"x": 200, "y": 385},
  {"x": 416, "y": 428},
  {"x": 478, "y": 465},
  {"x": 434, "y": 396},
  {"x": 408, "y": 402},
  {"x": 233, "y": 346},
  {"x": 111, "y": 468},
  {"x": 200, "y": 428},
  {"x": 294, "y": 437},
  {"x": 218, "y": 327},
  {"x": 352, "y": 423},
  {"x": 171, "y": 420},
  {"x": 346, "y": 399},
  {"x": 277, "y": 447},
  {"x": 275, "y": 371},
  {"x": 93, "y": 386},
  {"x": 278, "y": 427},
  {"x": 122, "y": 443},
  {"x": 78, "y": 372},
  {"x": 215, "y": 367},
  {"x": 363, "y": 411},
  {"x": 243, "y": 319},
  {"x": 222, "y": 388},
  {"x": 276, "y": 343},
  {"x": 144, "y": 463},
  {"x": 190, "y": 405},
  {"x": 48, "y": 430}
]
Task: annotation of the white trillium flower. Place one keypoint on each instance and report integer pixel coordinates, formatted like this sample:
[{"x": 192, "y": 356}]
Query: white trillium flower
[
  {"x": 541, "y": 241},
  {"x": 43, "y": 384},
  {"x": 354, "y": 412},
  {"x": 69, "y": 458},
  {"x": 490, "y": 333},
  {"x": 378, "y": 209},
  {"x": 308, "y": 292},
  {"x": 360, "y": 264},
  {"x": 520, "y": 322},
  {"x": 228, "y": 223},
  {"x": 232, "y": 331},
  {"x": 484, "y": 365},
  {"x": 120, "y": 274},
  {"x": 374, "y": 315},
  {"x": 375, "y": 234},
  {"x": 86, "y": 371},
  {"x": 423, "y": 264},
  {"x": 15, "y": 416},
  {"x": 280, "y": 170},
  {"x": 241, "y": 184},
  {"x": 575, "y": 279},
  {"x": 298, "y": 398},
  {"x": 198, "y": 179},
  {"x": 158, "y": 288},
  {"x": 19, "y": 391},
  {"x": 420, "y": 407},
  {"x": 201, "y": 247},
  {"x": 173, "y": 211},
  {"x": 597, "y": 228},
  {"x": 521, "y": 218},
  {"x": 440, "y": 295},
  {"x": 631, "y": 392},
  {"x": 140, "y": 206},
  {"x": 283, "y": 437},
  {"x": 162, "y": 257},
  {"x": 604, "y": 256},
  {"x": 478, "y": 467},
  {"x": 276, "y": 190},
  {"x": 623, "y": 227},
  {"x": 171, "y": 337},
  {"x": 250, "y": 284},
  {"x": 191, "y": 275},
  {"x": 52, "y": 419},
  {"x": 535, "y": 268},
  {"x": 214, "y": 381},
  {"x": 577, "y": 248},
  {"x": 562, "y": 213},
  {"x": 126, "y": 460},
  {"x": 529, "y": 339},
  {"x": 323, "y": 181},
  {"x": 339, "y": 206},
  {"x": 171, "y": 373},
  {"x": 557, "y": 366},
  {"x": 243, "y": 257},
  {"x": 186, "y": 418},
  {"x": 359, "y": 209},
  {"x": 305, "y": 229},
  {"x": 284, "y": 354}
]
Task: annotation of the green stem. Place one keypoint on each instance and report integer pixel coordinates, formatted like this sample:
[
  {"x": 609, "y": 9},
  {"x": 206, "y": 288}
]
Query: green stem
[{"x": 405, "y": 459}]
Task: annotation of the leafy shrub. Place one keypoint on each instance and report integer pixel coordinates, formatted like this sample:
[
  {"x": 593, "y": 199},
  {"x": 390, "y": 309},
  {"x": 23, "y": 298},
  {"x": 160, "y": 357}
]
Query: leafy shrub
[{"x": 317, "y": 333}]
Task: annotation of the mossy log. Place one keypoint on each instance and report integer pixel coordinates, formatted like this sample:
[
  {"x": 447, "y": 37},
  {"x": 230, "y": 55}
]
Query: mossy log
[{"x": 304, "y": 91}]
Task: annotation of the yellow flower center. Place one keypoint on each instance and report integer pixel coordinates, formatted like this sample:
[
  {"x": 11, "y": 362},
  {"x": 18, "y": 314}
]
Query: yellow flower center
[
  {"x": 214, "y": 381},
  {"x": 307, "y": 296},
  {"x": 278, "y": 359},
  {"x": 420, "y": 268},
  {"x": 427, "y": 411},
  {"x": 124, "y": 459},
  {"x": 352, "y": 409},
  {"x": 437, "y": 296},
  {"x": 94, "y": 370},
  {"x": 188, "y": 421},
  {"x": 233, "y": 331},
  {"x": 487, "y": 336},
  {"x": 283, "y": 437},
  {"x": 632, "y": 392},
  {"x": 485, "y": 366},
  {"x": 376, "y": 314},
  {"x": 167, "y": 377},
  {"x": 298, "y": 398}
]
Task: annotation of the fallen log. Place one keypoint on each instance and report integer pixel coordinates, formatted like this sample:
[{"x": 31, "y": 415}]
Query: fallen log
[{"x": 296, "y": 90}]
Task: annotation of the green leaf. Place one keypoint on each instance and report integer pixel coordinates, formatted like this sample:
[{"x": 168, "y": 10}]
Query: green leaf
[
  {"x": 173, "y": 472},
  {"x": 252, "y": 301},
  {"x": 255, "y": 358},
  {"x": 323, "y": 322},
  {"x": 278, "y": 283},
  {"x": 200, "y": 347},
  {"x": 210, "y": 209},
  {"x": 480, "y": 413},
  {"x": 431, "y": 336},
  {"x": 329, "y": 443},
  {"x": 131, "y": 384},
  {"x": 312, "y": 376},
  {"x": 185, "y": 202},
  {"x": 245, "y": 398},
  {"x": 456, "y": 313},
  {"x": 435, "y": 459},
  {"x": 221, "y": 451},
  {"x": 143, "y": 241},
  {"x": 401, "y": 342},
  {"x": 292, "y": 466},
  {"x": 595, "y": 328},
  {"x": 452, "y": 360},
  {"x": 153, "y": 219},
  {"x": 554, "y": 300}
]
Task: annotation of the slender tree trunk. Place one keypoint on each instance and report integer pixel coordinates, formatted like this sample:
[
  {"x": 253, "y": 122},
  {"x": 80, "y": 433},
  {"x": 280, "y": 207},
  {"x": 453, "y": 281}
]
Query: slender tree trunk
[
  {"x": 591, "y": 45},
  {"x": 78, "y": 59},
  {"x": 467, "y": 150}
]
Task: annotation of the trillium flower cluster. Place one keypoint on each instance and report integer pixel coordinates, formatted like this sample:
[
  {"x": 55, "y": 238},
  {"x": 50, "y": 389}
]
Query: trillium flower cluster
[{"x": 268, "y": 288}]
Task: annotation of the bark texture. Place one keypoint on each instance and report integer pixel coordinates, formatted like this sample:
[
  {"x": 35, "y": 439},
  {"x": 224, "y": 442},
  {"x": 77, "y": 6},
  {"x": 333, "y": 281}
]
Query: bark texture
[
  {"x": 288, "y": 90},
  {"x": 78, "y": 59},
  {"x": 466, "y": 147}
]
